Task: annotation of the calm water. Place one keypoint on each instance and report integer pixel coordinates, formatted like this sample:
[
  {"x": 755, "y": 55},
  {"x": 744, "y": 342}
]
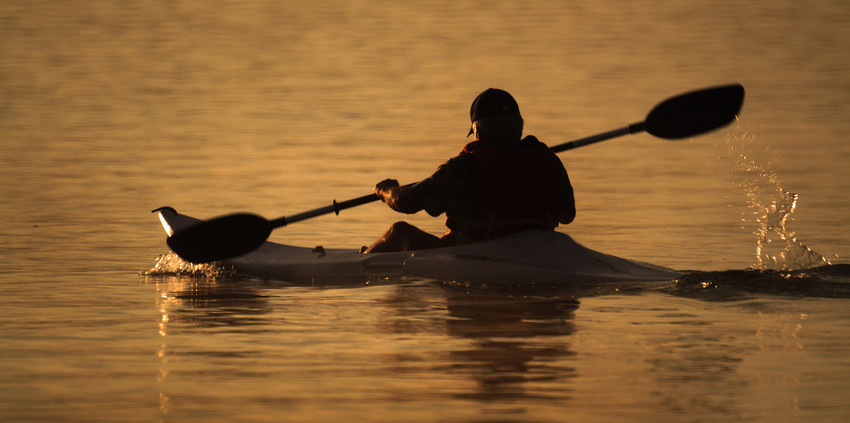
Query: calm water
[{"x": 110, "y": 109}]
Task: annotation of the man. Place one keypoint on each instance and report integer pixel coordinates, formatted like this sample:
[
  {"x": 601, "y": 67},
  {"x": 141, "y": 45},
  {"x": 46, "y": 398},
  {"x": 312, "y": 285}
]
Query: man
[{"x": 499, "y": 184}]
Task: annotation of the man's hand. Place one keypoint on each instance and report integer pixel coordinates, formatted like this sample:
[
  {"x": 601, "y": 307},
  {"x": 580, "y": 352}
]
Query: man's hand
[
  {"x": 385, "y": 188},
  {"x": 399, "y": 198}
]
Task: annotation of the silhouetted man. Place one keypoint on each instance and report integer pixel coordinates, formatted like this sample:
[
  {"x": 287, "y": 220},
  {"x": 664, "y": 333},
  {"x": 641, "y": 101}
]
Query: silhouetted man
[{"x": 500, "y": 183}]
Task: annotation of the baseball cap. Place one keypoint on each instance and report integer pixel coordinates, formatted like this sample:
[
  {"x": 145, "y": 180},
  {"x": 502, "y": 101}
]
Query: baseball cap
[{"x": 492, "y": 102}]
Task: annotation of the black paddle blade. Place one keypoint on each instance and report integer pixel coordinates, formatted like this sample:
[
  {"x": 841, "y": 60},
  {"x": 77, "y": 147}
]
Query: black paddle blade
[
  {"x": 696, "y": 112},
  {"x": 220, "y": 238}
]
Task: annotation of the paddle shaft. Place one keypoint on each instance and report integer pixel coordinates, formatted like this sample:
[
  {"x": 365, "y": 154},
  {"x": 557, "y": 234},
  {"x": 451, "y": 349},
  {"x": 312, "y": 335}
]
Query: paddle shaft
[
  {"x": 581, "y": 142},
  {"x": 359, "y": 201},
  {"x": 333, "y": 208}
]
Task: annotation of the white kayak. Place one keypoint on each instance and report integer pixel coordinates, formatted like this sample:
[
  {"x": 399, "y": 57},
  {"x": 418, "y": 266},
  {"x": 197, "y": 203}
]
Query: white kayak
[{"x": 531, "y": 256}]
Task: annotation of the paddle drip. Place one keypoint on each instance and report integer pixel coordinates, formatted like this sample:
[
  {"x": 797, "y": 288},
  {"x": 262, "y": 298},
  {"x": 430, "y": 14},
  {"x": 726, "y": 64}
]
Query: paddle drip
[{"x": 777, "y": 247}]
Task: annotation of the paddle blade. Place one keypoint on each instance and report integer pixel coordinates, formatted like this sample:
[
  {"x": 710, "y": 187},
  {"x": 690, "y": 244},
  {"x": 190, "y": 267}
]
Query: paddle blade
[
  {"x": 696, "y": 112},
  {"x": 220, "y": 238}
]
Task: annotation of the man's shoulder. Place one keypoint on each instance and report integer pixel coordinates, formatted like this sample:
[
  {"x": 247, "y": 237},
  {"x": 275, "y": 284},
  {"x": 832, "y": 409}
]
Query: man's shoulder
[
  {"x": 530, "y": 142},
  {"x": 455, "y": 170},
  {"x": 462, "y": 164}
]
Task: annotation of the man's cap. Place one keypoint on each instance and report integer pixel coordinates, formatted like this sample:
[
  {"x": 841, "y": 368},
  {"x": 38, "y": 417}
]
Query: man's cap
[{"x": 492, "y": 102}]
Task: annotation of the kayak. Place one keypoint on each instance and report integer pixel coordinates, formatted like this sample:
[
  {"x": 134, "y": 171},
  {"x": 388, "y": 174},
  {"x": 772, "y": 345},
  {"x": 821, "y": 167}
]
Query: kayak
[
  {"x": 241, "y": 239},
  {"x": 532, "y": 256}
]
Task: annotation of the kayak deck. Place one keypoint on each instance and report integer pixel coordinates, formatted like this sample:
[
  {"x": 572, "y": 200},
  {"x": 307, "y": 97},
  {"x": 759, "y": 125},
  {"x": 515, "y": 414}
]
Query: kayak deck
[{"x": 531, "y": 256}]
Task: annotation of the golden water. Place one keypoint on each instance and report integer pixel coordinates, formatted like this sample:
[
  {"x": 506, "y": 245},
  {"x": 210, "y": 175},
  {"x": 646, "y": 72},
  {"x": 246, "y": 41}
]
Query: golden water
[{"x": 109, "y": 109}]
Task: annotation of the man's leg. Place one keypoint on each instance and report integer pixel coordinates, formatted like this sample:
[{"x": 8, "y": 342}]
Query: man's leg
[{"x": 403, "y": 236}]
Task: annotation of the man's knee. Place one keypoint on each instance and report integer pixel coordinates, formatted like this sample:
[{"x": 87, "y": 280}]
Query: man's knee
[
  {"x": 402, "y": 227},
  {"x": 402, "y": 236}
]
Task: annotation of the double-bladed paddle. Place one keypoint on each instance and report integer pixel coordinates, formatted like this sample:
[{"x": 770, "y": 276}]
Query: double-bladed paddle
[{"x": 682, "y": 116}]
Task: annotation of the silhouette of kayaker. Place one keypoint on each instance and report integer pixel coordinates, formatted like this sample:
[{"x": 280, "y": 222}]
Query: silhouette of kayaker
[{"x": 500, "y": 183}]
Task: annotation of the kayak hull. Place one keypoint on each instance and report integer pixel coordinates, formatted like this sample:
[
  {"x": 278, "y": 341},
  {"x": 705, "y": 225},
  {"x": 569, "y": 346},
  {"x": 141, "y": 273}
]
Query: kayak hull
[{"x": 526, "y": 257}]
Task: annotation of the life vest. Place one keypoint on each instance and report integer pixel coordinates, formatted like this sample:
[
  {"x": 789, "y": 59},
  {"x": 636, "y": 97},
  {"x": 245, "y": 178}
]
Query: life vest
[{"x": 521, "y": 189}]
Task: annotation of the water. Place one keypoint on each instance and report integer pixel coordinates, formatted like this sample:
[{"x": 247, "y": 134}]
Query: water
[{"x": 111, "y": 109}]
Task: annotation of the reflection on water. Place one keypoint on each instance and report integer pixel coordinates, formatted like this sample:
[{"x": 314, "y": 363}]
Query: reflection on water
[
  {"x": 701, "y": 356},
  {"x": 196, "y": 303},
  {"x": 487, "y": 348},
  {"x": 472, "y": 354},
  {"x": 518, "y": 346},
  {"x": 208, "y": 303},
  {"x": 514, "y": 347},
  {"x": 466, "y": 355}
]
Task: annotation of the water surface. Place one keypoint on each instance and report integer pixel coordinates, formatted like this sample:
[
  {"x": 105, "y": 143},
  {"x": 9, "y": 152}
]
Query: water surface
[{"x": 111, "y": 109}]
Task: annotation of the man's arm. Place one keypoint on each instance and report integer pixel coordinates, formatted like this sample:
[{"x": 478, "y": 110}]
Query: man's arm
[{"x": 452, "y": 185}]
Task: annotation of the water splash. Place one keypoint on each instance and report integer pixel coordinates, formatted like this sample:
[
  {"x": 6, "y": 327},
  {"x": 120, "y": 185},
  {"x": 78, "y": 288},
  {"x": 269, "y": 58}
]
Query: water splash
[
  {"x": 771, "y": 206},
  {"x": 172, "y": 265}
]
